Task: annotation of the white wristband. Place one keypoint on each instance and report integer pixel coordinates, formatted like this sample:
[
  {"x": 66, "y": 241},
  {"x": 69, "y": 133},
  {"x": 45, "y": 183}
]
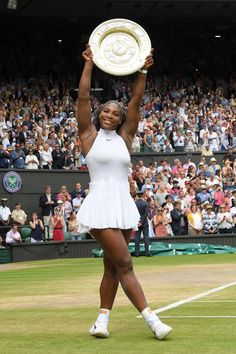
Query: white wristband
[{"x": 143, "y": 71}]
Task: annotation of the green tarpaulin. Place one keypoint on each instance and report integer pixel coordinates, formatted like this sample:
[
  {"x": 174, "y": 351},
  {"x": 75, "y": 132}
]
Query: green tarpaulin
[{"x": 172, "y": 249}]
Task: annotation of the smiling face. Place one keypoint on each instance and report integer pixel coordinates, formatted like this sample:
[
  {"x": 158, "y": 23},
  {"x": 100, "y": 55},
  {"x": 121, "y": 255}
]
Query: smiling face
[{"x": 110, "y": 116}]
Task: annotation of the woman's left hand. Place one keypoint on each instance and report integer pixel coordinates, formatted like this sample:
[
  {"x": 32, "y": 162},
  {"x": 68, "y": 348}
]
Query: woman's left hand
[{"x": 149, "y": 60}]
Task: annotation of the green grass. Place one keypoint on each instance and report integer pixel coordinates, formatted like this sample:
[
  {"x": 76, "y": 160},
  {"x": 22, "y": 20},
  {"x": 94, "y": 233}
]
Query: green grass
[{"x": 30, "y": 324}]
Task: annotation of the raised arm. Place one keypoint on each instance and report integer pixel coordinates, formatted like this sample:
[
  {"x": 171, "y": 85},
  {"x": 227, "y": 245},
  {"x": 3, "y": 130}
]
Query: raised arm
[
  {"x": 129, "y": 128},
  {"x": 87, "y": 130}
]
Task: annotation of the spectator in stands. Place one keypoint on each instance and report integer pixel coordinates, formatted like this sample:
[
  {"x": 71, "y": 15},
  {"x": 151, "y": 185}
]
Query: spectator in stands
[
  {"x": 169, "y": 202},
  {"x": 195, "y": 222},
  {"x": 178, "y": 222},
  {"x": 18, "y": 215},
  {"x": 18, "y": 157},
  {"x": 13, "y": 236},
  {"x": 136, "y": 144},
  {"x": 229, "y": 156},
  {"x": 47, "y": 202},
  {"x": 206, "y": 150},
  {"x": 160, "y": 194},
  {"x": 218, "y": 196},
  {"x": 210, "y": 225},
  {"x": 161, "y": 139},
  {"x": 152, "y": 210},
  {"x": 77, "y": 155},
  {"x": 2, "y": 243},
  {"x": 174, "y": 192},
  {"x": 37, "y": 228},
  {"x": 5, "y": 215},
  {"x": 4, "y": 157},
  {"x": 168, "y": 148},
  {"x": 73, "y": 228},
  {"x": 160, "y": 223},
  {"x": 67, "y": 207},
  {"x": 64, "y": 192},
  {"x": 139, "y": 179},
  {"x": 58, "y": 158},
  {"x": 77, "y": 201},
  {"x": 179, "y": 140},
  {"x": 225, "y": 221},
  {"x": 141, "y": 167},
  {"x": 214, "y": 166},
  {"x": 203, "y": 194},
  {"x": 46, "y": 157},
  {"x": 31, "y": 161},
  {"x": 58, "y": 223},
  {"x": 78, "y": 188},
  {"x": 213, "y": 139},
  {"x": 24, "y": 134}
]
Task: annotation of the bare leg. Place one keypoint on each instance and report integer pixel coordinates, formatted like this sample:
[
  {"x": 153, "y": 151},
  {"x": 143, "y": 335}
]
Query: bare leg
[
  {"x": 109, "y": 284},
  {"x": 115, "y": 247},
  {"x": 110, "y": 279}
]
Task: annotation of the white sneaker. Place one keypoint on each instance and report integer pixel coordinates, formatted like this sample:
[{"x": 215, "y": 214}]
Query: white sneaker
[
  {"x": 99, "y": 330},
  {"x": 160, "y": 329}
]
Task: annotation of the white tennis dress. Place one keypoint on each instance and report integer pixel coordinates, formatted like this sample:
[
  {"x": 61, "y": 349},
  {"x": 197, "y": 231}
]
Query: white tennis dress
[{"x": 108, "y": 203}]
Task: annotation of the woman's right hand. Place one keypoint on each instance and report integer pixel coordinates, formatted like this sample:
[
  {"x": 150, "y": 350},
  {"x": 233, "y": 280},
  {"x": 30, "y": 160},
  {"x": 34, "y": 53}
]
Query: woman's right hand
[{"x": 87, "y": 54}]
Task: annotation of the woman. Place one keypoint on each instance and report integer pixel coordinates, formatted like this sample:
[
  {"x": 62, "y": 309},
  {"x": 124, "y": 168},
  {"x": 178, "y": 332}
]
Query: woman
[
  {"x": 58, "y": 223},
  {"x": 210, "y": 225},
  {"x": 191, "y": 173},
  {"x": 67, "y": 207},
  {"x": 108, "y": 212},
  {"x": 219, "y": 197},
  {"x": 195, "y": 222},
  {"x": 31, "y": 161},
  {"x": 73, "y": 228},
  {"x": 160, "y": 222},
  {"x": 64, "y": 191},
  {"x": 148, "y": 140},
  {"x": 224, "y": 220},
  {"x": 189, "y": 196},
  {"x": 37, "y": 228},
  {"x": 152, "y": 210},
  {"x": 77, "y": 154}
]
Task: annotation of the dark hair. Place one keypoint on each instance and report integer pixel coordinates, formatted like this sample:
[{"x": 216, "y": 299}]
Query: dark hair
[{"x": 95, "y": 116}]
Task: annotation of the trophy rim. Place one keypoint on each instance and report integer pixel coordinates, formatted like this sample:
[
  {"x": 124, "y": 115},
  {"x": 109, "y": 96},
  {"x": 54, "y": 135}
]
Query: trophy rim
[{"x": 118, "y": 26}]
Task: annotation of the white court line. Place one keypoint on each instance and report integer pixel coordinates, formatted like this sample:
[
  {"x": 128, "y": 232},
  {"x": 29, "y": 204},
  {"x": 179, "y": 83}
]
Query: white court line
[
  {"x": 224, "y": 301},
  {"x": 192, "y": 298},
  {"x": 197, "y": 316}
]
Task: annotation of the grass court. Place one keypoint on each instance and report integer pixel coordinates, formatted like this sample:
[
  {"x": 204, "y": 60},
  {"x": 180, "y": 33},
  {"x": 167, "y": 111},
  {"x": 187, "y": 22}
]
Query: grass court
[{"x": 46, "y": 307}]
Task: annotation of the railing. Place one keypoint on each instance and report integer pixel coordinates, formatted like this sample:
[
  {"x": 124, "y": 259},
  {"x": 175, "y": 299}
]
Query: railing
[{"x": 21, "y": 252}]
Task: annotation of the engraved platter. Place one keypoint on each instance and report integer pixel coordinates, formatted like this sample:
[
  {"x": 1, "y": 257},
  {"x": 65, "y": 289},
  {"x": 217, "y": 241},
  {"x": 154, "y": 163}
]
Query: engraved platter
[{"x": 119, "y": 46}]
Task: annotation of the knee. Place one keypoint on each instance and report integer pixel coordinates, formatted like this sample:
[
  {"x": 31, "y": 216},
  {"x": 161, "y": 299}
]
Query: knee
[
  {"x": 110, "y": 272},
  {"x": 125, "y": 266}
]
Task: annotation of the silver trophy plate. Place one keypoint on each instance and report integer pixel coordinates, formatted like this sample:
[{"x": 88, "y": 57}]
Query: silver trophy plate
[{"x": 119, "y": 46}]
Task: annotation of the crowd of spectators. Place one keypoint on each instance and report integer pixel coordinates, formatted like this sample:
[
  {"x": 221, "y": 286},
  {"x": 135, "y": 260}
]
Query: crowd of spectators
[
  {"x": 183, "y": 110},
  {"x": 39, "y": 130},
  {"x": 189, "y": 106},
  {"x": 56, "y": 222},
  {"x": 187, "y": 198}
]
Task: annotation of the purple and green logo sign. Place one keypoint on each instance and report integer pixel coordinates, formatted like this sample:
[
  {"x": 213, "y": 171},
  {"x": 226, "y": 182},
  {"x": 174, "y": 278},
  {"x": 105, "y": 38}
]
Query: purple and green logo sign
[{"x": 12, "y": 182}]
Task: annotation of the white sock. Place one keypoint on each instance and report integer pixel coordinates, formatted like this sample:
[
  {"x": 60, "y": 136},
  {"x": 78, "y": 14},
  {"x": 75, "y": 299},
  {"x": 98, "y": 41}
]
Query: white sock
[
  {"x": 103, "y": 316},
  {"x": 149, "y": 316}
]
